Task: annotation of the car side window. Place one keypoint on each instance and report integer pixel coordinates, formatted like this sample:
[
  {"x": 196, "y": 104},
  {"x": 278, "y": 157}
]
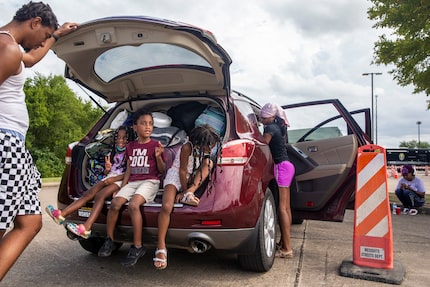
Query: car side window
[
  {"x": 248, "y": 113},
  {"x": 316, "y": 122}
]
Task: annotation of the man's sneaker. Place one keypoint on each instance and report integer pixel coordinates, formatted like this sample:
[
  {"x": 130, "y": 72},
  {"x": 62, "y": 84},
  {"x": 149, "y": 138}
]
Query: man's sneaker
[
  {"x": 413, "y": 211},
  {"x": 107, "y": 248},
  {"x": 133, "y": 255},
  {"x": 55, "y": 214}
]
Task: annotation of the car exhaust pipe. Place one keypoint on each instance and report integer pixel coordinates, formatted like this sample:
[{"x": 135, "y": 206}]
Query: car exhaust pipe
[{"x": 199, "y": 246}]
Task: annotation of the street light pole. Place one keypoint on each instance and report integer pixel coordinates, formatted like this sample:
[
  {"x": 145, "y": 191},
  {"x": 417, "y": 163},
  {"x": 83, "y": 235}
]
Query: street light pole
[
  {"x": 372, "y": 132},
  {"x": 419, "y": 140},
  {"x": 376, "y": 119}
]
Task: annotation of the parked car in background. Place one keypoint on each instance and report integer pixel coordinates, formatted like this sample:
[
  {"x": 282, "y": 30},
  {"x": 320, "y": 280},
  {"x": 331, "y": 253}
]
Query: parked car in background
[{"x": 178, "y": 72}]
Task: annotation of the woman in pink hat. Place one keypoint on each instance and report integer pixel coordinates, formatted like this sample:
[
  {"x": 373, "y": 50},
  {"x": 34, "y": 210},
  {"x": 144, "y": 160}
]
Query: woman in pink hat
[{"x": 275, "y": 133}]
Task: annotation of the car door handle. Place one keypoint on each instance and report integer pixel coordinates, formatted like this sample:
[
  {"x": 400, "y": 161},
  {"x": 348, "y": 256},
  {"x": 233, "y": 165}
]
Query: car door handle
[{"x": 312, "y": 149}]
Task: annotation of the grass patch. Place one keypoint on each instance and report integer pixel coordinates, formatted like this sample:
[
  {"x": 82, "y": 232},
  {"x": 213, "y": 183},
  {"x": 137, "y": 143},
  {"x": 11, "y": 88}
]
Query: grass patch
[{"x": 51, "y": 179}]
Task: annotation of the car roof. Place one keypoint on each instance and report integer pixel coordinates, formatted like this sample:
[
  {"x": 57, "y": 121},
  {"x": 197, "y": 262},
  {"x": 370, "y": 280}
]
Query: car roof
[{"x": 120, "y": 58}]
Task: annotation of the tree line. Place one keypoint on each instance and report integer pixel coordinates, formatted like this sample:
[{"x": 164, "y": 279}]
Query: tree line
[{"x": 57, "y": 117}]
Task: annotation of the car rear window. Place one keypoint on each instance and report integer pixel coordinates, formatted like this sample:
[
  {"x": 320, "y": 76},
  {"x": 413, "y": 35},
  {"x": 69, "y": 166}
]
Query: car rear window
[{"x": 128, "y": 59}]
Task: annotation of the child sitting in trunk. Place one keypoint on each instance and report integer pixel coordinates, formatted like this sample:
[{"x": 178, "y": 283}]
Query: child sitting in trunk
[
  {"x": 191, "y": 167},
  {"x": 102, "y": 190}
]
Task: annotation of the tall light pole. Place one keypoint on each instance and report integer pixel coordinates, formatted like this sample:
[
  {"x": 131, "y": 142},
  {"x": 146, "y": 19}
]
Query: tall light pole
[
  {"x": 419, "y": 141},
  {"x": 372, "y": 132},
  {"x": 376, "y": 119}
]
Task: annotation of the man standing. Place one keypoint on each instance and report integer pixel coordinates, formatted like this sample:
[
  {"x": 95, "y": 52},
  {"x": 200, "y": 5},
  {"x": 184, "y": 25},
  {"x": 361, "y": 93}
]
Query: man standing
[{"x": 34, "y": 28}]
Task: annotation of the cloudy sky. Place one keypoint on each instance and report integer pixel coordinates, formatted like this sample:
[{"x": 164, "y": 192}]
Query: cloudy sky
[{"x": 285, "y": 51}]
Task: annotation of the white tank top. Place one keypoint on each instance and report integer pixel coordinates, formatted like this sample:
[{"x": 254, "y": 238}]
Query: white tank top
[{"x": 13, "y": 110}]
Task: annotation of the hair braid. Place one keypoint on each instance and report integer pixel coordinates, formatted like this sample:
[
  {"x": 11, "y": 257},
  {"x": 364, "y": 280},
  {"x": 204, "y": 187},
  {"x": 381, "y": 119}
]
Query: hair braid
[{"x": 202, "y": 138}]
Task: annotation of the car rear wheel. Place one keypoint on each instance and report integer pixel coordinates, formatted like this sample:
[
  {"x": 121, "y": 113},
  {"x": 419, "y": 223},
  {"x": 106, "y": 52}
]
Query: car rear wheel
[
  {"x": 262, "y": 259},
  {"x": 93, "y": 244}
]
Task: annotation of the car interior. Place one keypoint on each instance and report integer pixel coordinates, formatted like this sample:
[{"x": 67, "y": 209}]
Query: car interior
[
  {"x": 321, "y": 166},
  {"x": 172, "y": 133}
]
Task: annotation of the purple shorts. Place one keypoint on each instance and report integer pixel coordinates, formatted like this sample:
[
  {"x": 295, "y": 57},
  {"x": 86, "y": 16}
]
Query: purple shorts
[{"x": 284, "y": 173}]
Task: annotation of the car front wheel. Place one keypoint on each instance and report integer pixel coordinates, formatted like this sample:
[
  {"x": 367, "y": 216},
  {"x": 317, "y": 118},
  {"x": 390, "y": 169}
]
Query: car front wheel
[{"x": 262, "y": 259}]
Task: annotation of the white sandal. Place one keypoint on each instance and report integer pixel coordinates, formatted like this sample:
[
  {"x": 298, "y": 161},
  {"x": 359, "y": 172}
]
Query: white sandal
[
  {"x": 160, "y": 260},
  {"x": 190, "y": 199}
]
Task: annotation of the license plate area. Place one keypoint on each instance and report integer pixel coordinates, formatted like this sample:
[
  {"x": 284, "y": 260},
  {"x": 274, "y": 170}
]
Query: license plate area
[{"x": 84, "y": 212}]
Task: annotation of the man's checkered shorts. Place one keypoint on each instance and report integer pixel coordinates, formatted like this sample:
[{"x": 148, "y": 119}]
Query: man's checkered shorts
[{"x": 19, "y": 181}]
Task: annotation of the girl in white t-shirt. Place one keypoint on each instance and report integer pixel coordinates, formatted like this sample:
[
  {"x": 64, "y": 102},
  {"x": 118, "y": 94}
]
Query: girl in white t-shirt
[{"x": 191, "y": 167}]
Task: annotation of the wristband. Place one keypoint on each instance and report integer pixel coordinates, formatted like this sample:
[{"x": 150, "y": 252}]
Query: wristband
[{"x": 55, "y": 37}]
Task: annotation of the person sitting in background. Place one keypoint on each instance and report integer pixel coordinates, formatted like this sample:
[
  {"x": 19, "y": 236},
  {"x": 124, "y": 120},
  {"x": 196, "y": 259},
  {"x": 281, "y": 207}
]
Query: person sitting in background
[{"x": 410, "y": 191}]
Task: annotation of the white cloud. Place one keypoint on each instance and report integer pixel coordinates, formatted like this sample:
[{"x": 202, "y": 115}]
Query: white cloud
[{"x": 282, "y": 50}]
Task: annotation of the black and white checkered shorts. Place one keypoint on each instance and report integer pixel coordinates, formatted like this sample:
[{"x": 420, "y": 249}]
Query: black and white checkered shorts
[{"x": 19, "y": 181}]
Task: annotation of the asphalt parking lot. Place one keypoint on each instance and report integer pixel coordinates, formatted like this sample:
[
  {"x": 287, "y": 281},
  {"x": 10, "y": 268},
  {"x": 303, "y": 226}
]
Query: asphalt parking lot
[
  {"x": 319, "y": 250},
  {"x": 323, "y": 247}
]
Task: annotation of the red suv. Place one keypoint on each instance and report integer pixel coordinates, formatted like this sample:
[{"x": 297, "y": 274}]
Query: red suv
[{"x": 178, "y": 72}]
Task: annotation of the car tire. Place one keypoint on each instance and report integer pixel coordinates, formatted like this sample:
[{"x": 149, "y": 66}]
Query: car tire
[
  {"x": 261, "y": 260},
  {"x": 93, "y": 244}
]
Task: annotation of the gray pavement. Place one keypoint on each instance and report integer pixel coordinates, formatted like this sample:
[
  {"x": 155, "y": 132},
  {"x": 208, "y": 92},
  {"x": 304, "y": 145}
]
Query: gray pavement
[{"x": 321, "y": 247}]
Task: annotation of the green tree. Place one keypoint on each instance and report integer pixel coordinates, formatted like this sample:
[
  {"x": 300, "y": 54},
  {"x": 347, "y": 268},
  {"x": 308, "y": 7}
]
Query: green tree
[
  {"x": 414, "y": 144},
  {"x": 407, "y": 47},
  {"x": 57, "y": 118}
]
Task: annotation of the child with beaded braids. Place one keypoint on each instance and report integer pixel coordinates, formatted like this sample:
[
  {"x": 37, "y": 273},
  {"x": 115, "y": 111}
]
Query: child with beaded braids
[
  {"x": 109, "y": 185},
  {"x": 191, "y": 167}
]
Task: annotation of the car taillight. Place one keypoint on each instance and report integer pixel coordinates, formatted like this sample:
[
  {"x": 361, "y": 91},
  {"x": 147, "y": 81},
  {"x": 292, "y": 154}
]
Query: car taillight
[
  {"x": 237, "y": 152},
  {"x": 70, "y": 147}
]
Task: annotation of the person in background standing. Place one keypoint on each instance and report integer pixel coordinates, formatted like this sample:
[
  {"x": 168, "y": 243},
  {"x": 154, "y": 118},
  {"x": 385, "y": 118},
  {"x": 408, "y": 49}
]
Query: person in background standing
[
  {"x": 275, "y": 133},
  {"x": 34, "y": 29}
]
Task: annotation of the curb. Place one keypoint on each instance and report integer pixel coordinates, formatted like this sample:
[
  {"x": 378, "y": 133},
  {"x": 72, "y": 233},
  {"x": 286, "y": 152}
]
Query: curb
[{"x": 50, "y": 184}]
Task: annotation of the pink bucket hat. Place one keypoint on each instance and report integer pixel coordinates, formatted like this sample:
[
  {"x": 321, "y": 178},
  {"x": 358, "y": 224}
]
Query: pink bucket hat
[{"x": 271, "y": 110}]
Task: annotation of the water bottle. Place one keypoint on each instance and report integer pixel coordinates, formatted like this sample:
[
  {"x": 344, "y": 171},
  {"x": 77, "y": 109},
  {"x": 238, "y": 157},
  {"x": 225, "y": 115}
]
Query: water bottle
[{"x": 394, "y": 208}]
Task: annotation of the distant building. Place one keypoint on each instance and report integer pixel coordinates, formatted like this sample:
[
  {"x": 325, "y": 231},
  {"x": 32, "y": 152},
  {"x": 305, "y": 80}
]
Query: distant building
[{"x": 414, "y": 156}]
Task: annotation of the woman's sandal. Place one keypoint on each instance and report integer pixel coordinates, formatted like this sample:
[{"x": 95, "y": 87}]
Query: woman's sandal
[
  {"x": 281, "y": 253},
  {"x": 190, "y": 199},
  {"x": 78, "y": 230},
  {"x": 160, "y": 263}
]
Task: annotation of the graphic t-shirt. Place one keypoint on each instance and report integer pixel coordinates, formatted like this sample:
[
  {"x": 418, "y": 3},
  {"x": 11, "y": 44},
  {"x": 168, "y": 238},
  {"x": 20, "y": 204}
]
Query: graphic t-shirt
[
  {"x": 142, "y": 159},
  {"x": 119, "y": 164}
]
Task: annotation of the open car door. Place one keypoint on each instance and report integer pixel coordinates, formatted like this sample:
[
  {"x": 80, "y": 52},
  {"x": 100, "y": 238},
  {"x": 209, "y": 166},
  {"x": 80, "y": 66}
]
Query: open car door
[{"x": 323, "y": 142}]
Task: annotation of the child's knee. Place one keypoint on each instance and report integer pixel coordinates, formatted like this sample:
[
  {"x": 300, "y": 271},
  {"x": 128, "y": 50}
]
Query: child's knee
[
  {"x": 134, "y": 207},
  {"x": 116, "y": 204},
  {"x": 167, "y": 207}
]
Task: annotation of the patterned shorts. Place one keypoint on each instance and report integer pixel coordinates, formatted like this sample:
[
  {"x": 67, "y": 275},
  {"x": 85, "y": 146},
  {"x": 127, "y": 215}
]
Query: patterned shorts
[{"x": 19, "y": 181}]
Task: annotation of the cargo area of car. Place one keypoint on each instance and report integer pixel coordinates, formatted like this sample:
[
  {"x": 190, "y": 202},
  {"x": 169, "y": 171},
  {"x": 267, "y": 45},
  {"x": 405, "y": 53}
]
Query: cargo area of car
[{"x": 173, "y": 120}]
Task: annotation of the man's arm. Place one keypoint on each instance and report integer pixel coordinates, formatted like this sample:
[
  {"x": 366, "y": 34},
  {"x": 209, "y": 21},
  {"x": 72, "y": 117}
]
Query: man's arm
[
  {"x": 10, "y": 57},
  {"x": 34, "y": 56}
]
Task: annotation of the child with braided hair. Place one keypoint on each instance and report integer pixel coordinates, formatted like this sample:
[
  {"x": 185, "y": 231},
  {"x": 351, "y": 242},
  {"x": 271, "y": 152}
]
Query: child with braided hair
[
  {"x": 107, "y": 187},
  {"x": 191, "y": 167}
]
